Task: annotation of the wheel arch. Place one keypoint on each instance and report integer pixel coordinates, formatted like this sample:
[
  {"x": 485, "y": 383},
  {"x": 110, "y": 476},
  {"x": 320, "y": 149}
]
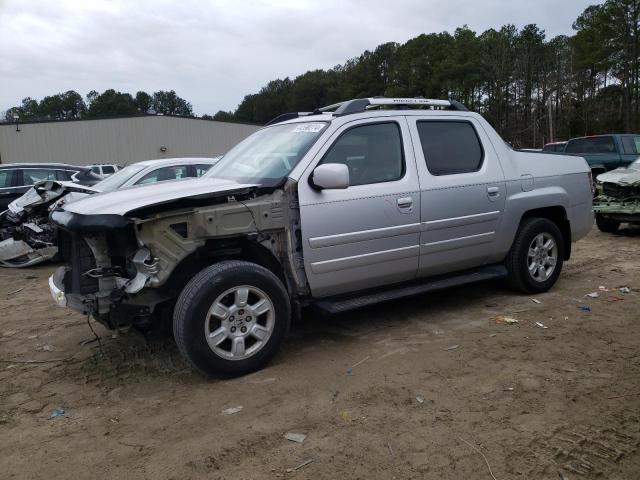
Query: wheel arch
[
  {"x": 216, "y": 250},
  {"x": 558, "y": 215}
]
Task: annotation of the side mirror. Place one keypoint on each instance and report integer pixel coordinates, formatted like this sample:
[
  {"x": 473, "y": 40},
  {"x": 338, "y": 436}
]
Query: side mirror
[{"x": 330, "y": 176}]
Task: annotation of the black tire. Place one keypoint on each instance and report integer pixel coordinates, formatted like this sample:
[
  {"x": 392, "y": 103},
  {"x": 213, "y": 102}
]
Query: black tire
[
  {"x": 607, "y": 225},
  {"x": 519, "y": 278},
  {"x": 200, "y": 293}
]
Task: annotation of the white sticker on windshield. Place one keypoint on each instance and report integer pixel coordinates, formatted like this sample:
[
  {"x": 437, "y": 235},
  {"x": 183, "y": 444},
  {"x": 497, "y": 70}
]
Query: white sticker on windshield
[{"x": 308, "y": 128}]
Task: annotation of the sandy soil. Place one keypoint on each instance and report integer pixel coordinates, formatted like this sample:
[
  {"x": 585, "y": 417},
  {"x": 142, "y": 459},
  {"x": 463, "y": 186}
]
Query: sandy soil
[{"x": 420, "y": 388}]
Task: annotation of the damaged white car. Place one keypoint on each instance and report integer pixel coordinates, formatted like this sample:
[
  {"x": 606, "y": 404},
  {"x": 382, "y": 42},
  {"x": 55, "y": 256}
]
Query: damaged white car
[{"x": 28, "y": 238}]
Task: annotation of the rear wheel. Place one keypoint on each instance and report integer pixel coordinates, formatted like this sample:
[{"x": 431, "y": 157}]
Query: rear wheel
[
  {"x": 231, "y": 318},
  {"x": 606, "y": 224},
  {"x": 536, "y": 256}
]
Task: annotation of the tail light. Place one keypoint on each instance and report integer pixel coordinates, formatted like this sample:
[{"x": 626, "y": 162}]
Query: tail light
[{"x": 593, "y": 185}]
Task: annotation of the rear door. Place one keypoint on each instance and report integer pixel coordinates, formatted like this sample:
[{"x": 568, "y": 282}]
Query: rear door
[
  {"x": 462, "y": 193},
  {"x": 365, "y": 235}
]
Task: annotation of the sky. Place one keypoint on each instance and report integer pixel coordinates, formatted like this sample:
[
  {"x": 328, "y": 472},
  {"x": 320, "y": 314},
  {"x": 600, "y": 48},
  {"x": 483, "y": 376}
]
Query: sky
[{"x": 213, "y": 52}]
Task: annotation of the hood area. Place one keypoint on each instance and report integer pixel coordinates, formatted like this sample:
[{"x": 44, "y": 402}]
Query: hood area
[
  {"x": 128, "y": 200},
  {"x": 621, "y": 176}
]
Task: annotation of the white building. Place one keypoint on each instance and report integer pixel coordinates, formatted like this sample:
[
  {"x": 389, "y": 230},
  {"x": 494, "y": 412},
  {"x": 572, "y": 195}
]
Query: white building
[{"x": 121, "y": 140}]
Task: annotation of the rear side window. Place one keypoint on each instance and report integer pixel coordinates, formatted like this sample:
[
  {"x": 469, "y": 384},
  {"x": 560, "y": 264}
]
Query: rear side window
[
  {"x": 108, "y": 169},
  {"x": 6, "y": 178},
  {"x": 202, "y": 169},
  {"x": 450, "y": 147},
  {"x": 33, "y": 175},
  {"x": 591, "y": 145},
  {"x": 631, "y": 145},
  {"x": 373, "y": 153}
]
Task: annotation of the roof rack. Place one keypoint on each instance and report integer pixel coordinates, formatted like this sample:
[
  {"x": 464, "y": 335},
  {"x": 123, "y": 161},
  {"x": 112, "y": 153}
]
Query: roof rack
[{"x": 362, "y": 104}]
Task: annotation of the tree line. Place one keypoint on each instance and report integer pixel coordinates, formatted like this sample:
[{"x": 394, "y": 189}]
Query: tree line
[
  {"x": 531, "y": 88},
  {"x": 71, "y": 106}
]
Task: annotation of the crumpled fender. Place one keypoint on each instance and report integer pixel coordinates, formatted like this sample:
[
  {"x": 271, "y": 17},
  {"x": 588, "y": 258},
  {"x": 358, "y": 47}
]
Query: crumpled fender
[{"x": 18, "y": 254}]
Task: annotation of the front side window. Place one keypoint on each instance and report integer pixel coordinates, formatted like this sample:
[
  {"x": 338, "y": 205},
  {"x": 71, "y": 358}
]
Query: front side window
[
  {"x": 108, "y": 170},
  {"x": 64, "y": 175},
  {"x": 164, "y": 174},
  {"x": 34, "y": 175},
  {"x": 591, "y": 145},
  {"x": 202, "y": 169},
  {"x": 268, "y": 156},
  {"x": 119, "y": 178},
  {"x": 95, "y": 170},
  {"x": 6, "y": 178},
  {"x": 450, "y": 147},
  {"x": 373, "y": 153}
]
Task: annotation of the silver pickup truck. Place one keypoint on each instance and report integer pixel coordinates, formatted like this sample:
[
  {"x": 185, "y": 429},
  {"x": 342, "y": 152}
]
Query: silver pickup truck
[{"x": 361, "y": 202}]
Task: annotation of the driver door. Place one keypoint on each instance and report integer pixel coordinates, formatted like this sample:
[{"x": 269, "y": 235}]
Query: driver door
[{"x": 367, "y": 234}]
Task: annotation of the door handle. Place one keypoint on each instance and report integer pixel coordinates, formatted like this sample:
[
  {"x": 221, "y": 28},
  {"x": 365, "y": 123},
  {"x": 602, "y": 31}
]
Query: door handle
[
  {"x": 405, "y": 202},
  {"x": 493, "y": 191}
]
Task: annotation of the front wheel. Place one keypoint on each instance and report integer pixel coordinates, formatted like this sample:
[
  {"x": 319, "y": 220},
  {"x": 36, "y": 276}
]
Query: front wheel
[
  {"x": 535, "y": 259},
  {"x": 606, "y": 225},
  {"x": 231, "y": 318}
]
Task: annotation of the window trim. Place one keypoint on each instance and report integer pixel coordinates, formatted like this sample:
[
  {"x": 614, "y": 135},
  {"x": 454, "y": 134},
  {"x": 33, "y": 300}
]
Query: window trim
[
  {"x": 367, "y": 124},
  {"x": 424, "y": 156}
]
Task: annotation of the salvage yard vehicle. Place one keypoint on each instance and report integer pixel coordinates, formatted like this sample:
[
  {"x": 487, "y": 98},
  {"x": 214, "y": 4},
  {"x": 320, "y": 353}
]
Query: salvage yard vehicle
[
  {"x": 618, "y": 199},
  {"x": 104, "y": 170},
  {"x": 17, "y": 178},
  {"x": 361, "y": 202},
  {"x": 605, "y": 152},
  {"x": 27, "y": 237}
]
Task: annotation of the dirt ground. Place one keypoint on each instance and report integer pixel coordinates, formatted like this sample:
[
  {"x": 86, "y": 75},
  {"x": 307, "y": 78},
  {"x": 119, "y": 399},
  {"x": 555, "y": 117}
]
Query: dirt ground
[{"x": 423, "y": 388}]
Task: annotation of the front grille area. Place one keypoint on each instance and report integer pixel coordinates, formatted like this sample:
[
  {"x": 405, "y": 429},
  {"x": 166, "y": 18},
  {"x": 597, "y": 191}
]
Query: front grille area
[
  {"x": 620, "y": 191},
  {"x": 81, "y": 260}
]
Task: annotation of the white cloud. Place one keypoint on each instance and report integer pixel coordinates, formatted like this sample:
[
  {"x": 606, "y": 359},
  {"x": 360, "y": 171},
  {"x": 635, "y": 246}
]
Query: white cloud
[{"x": 213, "y": 53}]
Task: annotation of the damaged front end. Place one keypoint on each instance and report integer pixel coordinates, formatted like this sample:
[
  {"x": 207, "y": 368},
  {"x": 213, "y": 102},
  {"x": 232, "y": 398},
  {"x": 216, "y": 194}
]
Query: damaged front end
[
  {"x": 619, "y": 195},
  {"x": 27, "y": 237},
  {"x": 128, "y": 269}
]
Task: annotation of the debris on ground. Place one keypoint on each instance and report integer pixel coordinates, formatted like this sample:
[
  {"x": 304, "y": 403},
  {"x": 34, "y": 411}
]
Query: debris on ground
[
  {"x": 295, "y": 437},
  {"x": 535, "y": 300},
  {"x": 602, "y": 288},
  {"x": 346, "y": 416},
  {"x": 361, "y": 361},
  {"x": 584, "y": 308},
  {"x": 303, "y": 464},
  {"x": 613, "y": 298},
  {"x": 58, "y": 412},
  {"x": 506, "y": 319},
  {"x": 625, "y": 290},
  {"x": 452, "y": 347},
  {"x": 541, "y": 325},
  {"x": 232, "y": 410},
  {"x": 592, "y": 295},
  {"x": 419, "y": 399}
]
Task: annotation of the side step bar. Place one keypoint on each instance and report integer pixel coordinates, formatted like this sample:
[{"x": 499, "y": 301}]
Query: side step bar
[{"x": 333, "y": 306}]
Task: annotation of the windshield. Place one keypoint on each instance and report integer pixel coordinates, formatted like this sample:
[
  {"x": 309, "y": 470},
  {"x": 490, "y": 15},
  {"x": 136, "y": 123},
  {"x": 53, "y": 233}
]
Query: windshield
[
  {"x": 119, "y": 178},
  {"x": 267, "y": 156}
]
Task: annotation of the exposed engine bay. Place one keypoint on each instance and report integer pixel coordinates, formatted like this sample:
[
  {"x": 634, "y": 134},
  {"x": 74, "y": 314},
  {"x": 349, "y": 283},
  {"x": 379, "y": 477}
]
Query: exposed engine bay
[
  {"x": 124, "y": 270},
  {"x": 27, "y": 237}
]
